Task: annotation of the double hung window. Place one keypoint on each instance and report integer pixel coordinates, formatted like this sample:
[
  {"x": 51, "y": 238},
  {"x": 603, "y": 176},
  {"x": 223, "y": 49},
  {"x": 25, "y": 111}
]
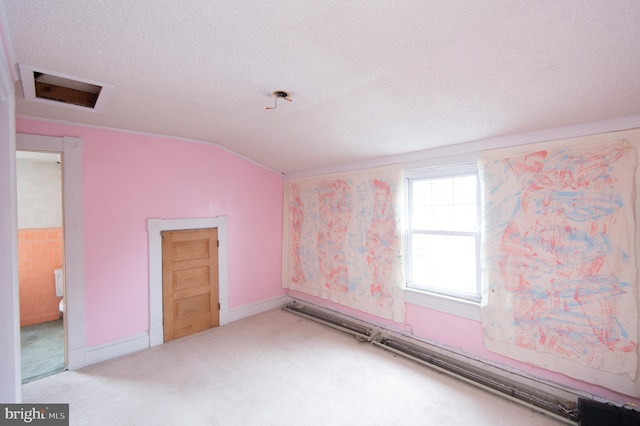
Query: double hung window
[{"x": 443, "y": 235}]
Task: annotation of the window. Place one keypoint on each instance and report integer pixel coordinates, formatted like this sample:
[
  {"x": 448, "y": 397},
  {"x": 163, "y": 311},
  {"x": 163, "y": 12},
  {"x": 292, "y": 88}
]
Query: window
[{"x": 443, "y": 235}]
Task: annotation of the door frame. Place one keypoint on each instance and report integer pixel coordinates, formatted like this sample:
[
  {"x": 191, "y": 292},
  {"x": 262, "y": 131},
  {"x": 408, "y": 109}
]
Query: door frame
[
  {"x": 155, "y": 228},
  {"x": 71, "y": 150}
]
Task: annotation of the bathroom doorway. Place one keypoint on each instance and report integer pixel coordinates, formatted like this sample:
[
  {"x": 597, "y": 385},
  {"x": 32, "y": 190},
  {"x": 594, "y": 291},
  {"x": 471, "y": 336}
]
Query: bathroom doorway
[{"x": 41, "y": 263}]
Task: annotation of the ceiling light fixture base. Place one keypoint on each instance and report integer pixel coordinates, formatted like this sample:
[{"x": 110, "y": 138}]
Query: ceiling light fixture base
[{"x": 279, "y": 94}]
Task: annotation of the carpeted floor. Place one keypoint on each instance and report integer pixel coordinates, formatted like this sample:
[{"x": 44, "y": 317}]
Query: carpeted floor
[
  {"x": 275, "y": 368},
  {"x": 42, "y": 347}
]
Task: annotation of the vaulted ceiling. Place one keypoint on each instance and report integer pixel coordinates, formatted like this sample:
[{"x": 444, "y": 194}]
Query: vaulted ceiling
[{"x": 367, "y": 78}]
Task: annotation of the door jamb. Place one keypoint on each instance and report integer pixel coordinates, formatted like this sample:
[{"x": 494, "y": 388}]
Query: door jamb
[{"x": 155, "y": 227}]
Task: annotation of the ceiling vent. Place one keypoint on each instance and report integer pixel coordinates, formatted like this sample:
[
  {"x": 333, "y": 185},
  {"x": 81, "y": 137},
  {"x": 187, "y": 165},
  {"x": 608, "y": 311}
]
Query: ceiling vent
[{"x": 60, "y": 89}]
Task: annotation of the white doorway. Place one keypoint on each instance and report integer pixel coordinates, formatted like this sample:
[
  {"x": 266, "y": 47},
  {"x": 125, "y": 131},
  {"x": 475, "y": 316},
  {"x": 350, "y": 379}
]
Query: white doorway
[
  {"x": 40, "y": 263},
  {"x": 155, "y": 227},
  {"x": 74, "y": 318}
]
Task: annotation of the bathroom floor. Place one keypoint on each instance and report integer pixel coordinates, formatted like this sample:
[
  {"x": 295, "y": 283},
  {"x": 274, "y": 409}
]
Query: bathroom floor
[{"x": 42, "y": 350}]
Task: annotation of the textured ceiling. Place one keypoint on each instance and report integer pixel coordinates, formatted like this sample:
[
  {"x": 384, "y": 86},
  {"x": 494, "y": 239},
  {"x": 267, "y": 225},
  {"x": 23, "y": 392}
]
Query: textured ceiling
[{"x": 368, "y": 78}]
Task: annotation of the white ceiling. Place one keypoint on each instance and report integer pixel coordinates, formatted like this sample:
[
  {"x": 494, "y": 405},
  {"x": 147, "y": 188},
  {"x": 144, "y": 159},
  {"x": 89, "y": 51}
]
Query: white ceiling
[{"x": 368, "y": 78}]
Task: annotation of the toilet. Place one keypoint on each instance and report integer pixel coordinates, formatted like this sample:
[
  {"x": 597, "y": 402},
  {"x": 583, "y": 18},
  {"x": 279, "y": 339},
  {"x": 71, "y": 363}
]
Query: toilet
[{"x": 59, "y": 276}]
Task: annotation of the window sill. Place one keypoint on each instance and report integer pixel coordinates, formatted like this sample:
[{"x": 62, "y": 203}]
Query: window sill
[{"x": 448, "y": 305}]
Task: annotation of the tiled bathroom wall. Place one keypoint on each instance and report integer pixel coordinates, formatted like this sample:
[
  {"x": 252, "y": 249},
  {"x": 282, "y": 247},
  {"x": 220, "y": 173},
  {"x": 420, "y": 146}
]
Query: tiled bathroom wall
[
  {"x": 39, "y": 253},
  {"x": 40, "y": 246}
]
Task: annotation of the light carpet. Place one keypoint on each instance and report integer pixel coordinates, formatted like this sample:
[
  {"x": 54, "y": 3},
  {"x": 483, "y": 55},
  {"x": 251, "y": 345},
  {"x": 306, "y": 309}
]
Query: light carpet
[{"x": 275, "y": 368}]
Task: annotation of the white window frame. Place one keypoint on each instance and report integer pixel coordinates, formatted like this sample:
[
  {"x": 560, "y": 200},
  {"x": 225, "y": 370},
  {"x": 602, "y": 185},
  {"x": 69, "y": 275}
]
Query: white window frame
[{"x": 464, "y": 305}]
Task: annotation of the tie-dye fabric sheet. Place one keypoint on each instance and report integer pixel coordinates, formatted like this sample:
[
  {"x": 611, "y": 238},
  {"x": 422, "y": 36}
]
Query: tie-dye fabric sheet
[
  {"x": 558, "y": 258},
  {"x": 342, "y": 240}
]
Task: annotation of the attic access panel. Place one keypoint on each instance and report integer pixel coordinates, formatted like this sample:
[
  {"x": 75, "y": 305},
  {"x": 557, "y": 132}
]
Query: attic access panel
[
  {"x": 60, "y": 89},
  {"x": 65, "y": 90}
]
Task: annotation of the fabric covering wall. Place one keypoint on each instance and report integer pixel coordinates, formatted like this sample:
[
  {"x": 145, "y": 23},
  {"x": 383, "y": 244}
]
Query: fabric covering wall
[
  {"x": 558, "y": 259},
  {"x": 342, "y": 240}
]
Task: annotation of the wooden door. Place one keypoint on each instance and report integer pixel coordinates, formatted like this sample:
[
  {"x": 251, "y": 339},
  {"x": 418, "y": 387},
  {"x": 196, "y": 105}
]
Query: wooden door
[{"x": 189, "y": 282}]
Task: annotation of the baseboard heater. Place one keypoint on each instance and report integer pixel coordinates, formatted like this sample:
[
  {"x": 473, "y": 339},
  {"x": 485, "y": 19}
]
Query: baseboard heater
[
  {"x": 361, "y": 332},
  {"x": 536, "y": 399}
]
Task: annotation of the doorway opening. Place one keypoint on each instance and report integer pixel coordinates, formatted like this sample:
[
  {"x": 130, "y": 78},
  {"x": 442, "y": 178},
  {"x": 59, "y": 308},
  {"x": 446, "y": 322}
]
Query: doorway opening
[
  {"x": 74, "y": 310},
  {"x": 41, "y": 264}
]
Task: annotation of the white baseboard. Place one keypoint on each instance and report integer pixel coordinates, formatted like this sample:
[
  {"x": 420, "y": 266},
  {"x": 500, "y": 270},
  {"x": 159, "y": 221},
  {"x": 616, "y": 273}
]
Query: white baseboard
[
  {"x": 117, "y": 348},
  {"x": 258, "y": 308},
  {"x": 156, "y": 336},
  {"x": 76, "y": 358},
  {"x": 132, "y": 344}
]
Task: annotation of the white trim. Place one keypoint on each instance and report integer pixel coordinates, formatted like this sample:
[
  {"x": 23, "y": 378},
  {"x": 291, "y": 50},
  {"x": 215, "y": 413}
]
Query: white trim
[
  {"x": 8, "y": 72},
  {"x": 258, "y": 308},
  {"x": 441, "y": 303},
  {"x": 117, "y": 348},
  {"x": 11, "y": 383},
  {"x": 39, "y": 143},
  {"x": 428, "y": 296},
  {"x": 155, "y": 227},
  {"x": 71, "y": 149},
  {"x": 74, "y": 252},
  {"x": 453, "y": 169},
  {"x": 6, "y": 83}
]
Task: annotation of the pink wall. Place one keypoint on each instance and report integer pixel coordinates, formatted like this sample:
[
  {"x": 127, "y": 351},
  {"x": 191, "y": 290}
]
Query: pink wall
[{"x": 129, "y": 178}]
